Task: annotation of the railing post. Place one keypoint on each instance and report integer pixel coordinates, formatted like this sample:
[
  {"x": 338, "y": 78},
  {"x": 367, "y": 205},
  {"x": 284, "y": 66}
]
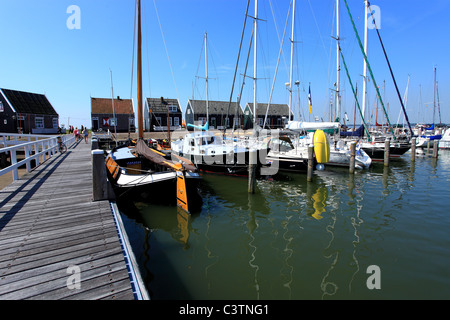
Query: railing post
[{"x": 14, "y": 161}]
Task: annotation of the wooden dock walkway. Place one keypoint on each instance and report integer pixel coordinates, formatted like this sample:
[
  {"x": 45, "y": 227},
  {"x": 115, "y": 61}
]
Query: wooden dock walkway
[{"x": 56, "y": 243}]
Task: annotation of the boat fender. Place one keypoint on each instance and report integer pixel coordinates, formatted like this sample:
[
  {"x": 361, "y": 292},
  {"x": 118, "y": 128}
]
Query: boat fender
[{"x": 321, "y": 146}]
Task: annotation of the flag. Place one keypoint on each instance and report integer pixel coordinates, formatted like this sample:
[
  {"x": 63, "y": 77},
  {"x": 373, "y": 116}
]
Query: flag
[{"x": 309, "y": 100}]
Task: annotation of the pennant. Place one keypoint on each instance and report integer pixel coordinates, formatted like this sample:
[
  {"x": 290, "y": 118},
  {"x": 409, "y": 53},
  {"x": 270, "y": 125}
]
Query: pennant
[{"x": 309, "y": 100}]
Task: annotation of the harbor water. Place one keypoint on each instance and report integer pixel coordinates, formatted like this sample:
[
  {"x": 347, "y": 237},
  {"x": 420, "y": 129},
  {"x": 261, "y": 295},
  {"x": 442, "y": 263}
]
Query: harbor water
[{"x": 382, "y": 233}]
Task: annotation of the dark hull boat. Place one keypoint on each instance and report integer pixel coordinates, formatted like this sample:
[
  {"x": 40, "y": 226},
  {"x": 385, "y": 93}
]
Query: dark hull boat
[
  {"x": 376, "y": 150},
  {"x": 139, "y": 172}
]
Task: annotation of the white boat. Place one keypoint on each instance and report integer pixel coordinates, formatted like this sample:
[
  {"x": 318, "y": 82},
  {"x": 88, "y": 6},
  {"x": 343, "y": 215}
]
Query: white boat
[
  {"x": 428, "y": 135},
  {"x": 211, "y": 153},
  {"x": 340, "y": 155},
  {"x": 444, "y": 143}
]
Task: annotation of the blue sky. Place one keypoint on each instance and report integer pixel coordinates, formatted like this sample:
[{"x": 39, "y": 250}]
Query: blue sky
[{"x": 40, "y": 54}]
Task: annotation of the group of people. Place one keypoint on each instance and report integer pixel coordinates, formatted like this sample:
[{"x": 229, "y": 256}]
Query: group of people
[{"x": 84, "y": 132}]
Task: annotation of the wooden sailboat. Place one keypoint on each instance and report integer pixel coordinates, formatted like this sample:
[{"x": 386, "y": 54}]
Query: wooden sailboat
[{"x": 139, "y": 171}]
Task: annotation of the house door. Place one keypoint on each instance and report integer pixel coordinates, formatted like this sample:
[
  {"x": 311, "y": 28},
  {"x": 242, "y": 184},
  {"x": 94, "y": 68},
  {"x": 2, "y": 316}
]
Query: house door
[{"x": 94, "y": 124}]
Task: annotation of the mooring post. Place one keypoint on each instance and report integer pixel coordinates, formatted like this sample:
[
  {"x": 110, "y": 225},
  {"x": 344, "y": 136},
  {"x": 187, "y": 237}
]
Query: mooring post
[
  {"x": 101, "y": 188},
  {"x": 413, "y": 149},
  {"x": 352, "y": 156},
  {"x": 435, "y": 148},
  {"x": 94, "y": 145},
  {"x": 387, "y": 144},
  {"x": 252, "y": 170},
  {"x": 428, "y": 146},
  {"x": 309, "y": 174}
]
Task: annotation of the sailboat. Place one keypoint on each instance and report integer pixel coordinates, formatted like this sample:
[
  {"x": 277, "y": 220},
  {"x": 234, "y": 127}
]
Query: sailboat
[
  {"x": 375, "y": 147},
  {"x": 215, "y": 153},
  {"x": 429, "y": 136},
  {"x": 136, "y": 170},
  {"x": 339, "y": 153}
]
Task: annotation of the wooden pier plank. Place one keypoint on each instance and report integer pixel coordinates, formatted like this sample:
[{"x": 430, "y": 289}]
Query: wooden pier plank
[{"x": 48, "y": 222}]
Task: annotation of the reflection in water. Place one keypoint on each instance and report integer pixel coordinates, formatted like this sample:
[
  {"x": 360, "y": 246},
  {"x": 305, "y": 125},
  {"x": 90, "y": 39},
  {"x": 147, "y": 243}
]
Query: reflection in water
[
  {"x": 252, "y": 225},
  {"x": 299, "y": 240},
  {"x": 320, "y": 199}
]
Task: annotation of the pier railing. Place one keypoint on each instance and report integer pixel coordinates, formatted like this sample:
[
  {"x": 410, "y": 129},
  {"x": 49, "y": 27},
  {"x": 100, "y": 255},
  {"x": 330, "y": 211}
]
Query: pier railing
[{"x": 31, "y": 146}]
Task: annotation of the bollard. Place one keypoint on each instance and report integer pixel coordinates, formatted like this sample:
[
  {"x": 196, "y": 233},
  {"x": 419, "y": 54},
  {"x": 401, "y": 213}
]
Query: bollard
[
  {"x": 252, "y": 171},
  {"x": 428, "y": 146},
  {"x": 435, "y": 148},
  {"x": 94, "y": 145},
  {"x": 387, "y": 144},
  {"x": 413, "y": 149},
  {"x": 310, "y": 163},
  {"x": 352, "y": 157},
  {"x": 101, "y": 188}
]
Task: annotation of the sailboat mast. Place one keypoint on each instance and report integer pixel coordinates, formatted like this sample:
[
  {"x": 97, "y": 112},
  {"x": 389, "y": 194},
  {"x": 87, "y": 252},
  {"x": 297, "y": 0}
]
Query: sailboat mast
[
  {"x": 255, "y": 24},
  {"x": 139, "y": 71},
  {"x": 206, "y": 74},
  {"x": 292, "y": 58},
  {"x": 434, "y": 95},
  {"x": 365, "y": 62},
  {"x": 338, "y": 103}
]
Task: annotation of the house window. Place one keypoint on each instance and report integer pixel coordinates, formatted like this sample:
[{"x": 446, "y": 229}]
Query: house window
[
  {"x": 170, "y": 121},
  {"x": 112, "y": 122},
  {"x": 202, "y": 120},
  {"x": 173, "y": 108},
  {"x": 39, "y": 122},
  {"x": 176, "y": 121},
  {"x": 260, "y": 121},
  {"x": 1, "y": 107},
  {"x": 158, "y": 121},
  {"x": 55, "y": 122}
]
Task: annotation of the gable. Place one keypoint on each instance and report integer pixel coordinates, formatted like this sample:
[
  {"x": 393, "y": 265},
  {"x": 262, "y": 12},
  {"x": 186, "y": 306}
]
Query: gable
[
  {"x": 157, "y": 106},
  {"x": 105, "y": 106},
  {"x": 29, "y": 103},
  {"x": 214, "y": 107}
]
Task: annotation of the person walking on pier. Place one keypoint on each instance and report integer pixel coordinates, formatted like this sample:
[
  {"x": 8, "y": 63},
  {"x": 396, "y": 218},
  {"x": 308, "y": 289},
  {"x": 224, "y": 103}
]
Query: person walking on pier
[{"x": 86, "y": 133}]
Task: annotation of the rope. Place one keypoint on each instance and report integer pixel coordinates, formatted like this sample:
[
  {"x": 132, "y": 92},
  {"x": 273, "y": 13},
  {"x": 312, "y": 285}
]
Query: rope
[
  {"x": 354, "y": 93},
  {"x": 390, "y": 69},
  {"x": 167, "y": 52},
  {"x": 369, "y": 68}
]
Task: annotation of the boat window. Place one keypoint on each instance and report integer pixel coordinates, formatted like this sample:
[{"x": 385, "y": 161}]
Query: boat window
[
  {"x": 192, "y": 142},
  {"x": 209, "y": 140}
]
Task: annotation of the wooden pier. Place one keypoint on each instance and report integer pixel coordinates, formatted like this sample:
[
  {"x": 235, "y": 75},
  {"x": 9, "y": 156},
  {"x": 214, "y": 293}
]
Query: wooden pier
[{"x": 57, "y": 243}]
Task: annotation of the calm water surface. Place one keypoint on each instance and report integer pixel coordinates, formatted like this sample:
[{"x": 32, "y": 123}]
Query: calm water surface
[{"x": 299, "y": 240}]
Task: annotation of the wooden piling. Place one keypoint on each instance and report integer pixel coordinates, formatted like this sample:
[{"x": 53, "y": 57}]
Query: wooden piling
[
  {"x": 309, "y": 174},
  {"x": 387, "y": 144},
  {"x": 101, "y": 188},
  {"x": 352, "y": 157},
  {"x": 435, "y": 148},
  {"x": 428, "y": 146},
  {"x": 413, "y": 149}
]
